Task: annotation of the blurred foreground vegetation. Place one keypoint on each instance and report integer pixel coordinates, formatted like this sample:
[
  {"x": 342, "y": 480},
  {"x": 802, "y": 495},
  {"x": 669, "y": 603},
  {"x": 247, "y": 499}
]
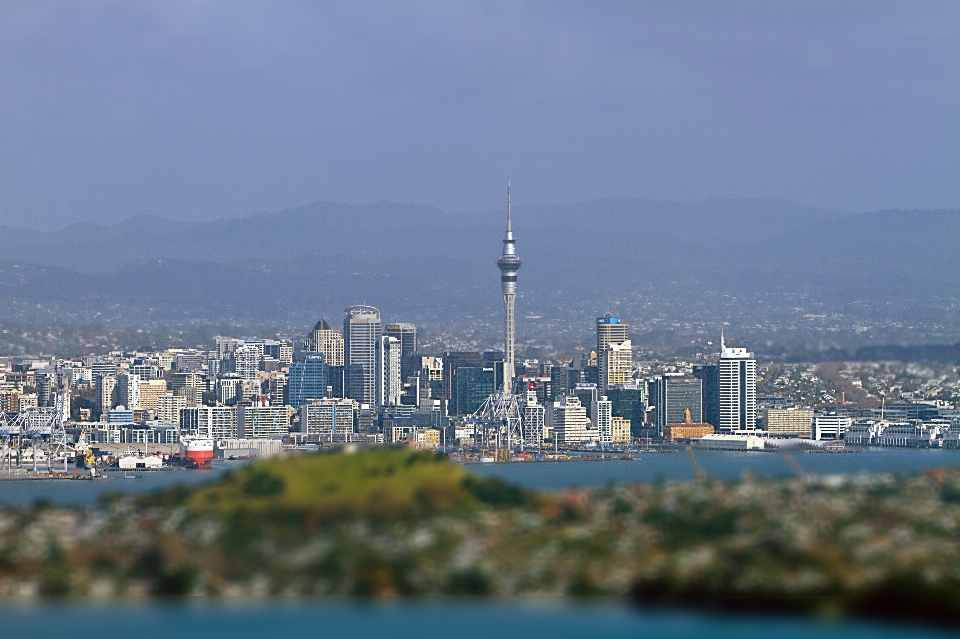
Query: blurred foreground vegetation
[{"x": 397, "y": 522}]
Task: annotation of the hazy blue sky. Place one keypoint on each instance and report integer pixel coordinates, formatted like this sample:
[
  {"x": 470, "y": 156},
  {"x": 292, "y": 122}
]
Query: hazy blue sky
[{"x": 212, "y": 109}]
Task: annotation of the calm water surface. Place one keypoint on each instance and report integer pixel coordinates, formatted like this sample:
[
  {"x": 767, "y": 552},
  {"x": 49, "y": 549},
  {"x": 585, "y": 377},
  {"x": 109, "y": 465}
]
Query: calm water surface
[
  {"x": 406, "y": 619},
  {"x": 717, "y": 464},
  {"x": 539, "y": 475},
  {"x": 70, "y": 491}
]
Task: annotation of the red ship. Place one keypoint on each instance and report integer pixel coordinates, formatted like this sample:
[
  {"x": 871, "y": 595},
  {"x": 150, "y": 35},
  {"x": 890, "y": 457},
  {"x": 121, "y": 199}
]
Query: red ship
[{"x": 196, "y": 452}]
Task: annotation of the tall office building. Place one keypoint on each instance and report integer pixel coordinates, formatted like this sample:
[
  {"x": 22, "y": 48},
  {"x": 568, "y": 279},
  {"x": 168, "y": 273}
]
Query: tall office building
[
  {"x": 709, "y": 376},
  {"x": 615, "y": 367},
  {"x": 325, "y": 340},
  {"x": 629, "y": 403},
  {"x": 471, "y": 385},
  {"x": 673, "y": 394},
  {"x": 307, "y": 380},
  {"x": 389, "y": 386},
  {"x": 361, "y": 331},
  {"x": 406, "y": 334},
  {"x": 508, "y": 264},
  {"x": 737, "y": 371},
  {"x": 610, "y": 330},
  {"x": 614, "y": 352}
]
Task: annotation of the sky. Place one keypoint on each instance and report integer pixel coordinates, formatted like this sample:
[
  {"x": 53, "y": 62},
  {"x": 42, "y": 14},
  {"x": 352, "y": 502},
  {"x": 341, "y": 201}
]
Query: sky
[{"x": 204, "y": 110}]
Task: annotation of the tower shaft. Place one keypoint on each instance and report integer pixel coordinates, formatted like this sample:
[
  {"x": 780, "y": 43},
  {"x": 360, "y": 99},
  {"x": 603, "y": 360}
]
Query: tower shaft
[
  {"x": 509, "y": 264},
  {"x": 508, "y": 364}
]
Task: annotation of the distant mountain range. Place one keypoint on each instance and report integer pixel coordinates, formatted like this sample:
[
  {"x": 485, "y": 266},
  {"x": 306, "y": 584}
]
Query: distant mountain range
[{"x": 277, "y": 266}]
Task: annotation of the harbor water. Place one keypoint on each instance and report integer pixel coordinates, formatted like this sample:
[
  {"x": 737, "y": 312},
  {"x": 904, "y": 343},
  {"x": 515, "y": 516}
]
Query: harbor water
[
  {"x": 545, "y": 475},
  {"x": 464, "y": 620}
]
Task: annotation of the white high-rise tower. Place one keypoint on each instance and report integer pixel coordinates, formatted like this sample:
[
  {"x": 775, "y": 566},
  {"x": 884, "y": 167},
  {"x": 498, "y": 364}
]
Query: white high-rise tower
[
  {"x": 508, "y": 264},
  {"x": 737, "y": 371}
]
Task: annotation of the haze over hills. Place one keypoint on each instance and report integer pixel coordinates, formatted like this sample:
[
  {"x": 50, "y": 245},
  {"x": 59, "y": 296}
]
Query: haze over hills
[{"x": 438, "y": 268}]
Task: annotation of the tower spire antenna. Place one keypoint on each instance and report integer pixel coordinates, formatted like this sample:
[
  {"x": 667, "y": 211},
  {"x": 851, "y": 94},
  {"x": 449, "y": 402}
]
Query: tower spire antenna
[{"x": 509, "y": 214}]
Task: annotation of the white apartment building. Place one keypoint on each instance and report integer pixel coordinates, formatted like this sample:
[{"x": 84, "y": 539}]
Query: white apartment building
[
  {"x": 218, "y": 422},
  {"x": 603, "y": 419},
  {"x": 569, "y": 422},
  {"x": 169, "y": 407}
]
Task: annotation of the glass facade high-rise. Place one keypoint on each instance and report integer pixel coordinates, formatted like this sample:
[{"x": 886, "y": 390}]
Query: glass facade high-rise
[
  {"x": 709, "y": 376},
  {"x": 307, "y": 379},
  {"x": 472, "y": 385},
  {"x": 628, "y": 403},
  {"x": 672, "y": 395},
  {"x": 361, "y": 332}
]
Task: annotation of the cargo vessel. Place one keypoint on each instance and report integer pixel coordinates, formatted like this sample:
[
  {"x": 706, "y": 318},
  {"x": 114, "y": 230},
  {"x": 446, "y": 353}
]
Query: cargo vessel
[{"x": 196, "y": 452}]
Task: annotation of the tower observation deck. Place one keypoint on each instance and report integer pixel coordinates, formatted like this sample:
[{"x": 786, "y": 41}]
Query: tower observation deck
[{"x": 509, "y": 264}]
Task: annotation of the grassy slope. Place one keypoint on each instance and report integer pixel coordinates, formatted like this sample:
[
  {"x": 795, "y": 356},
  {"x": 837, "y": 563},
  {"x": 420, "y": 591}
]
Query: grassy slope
[{"x": 384, "y": 482}]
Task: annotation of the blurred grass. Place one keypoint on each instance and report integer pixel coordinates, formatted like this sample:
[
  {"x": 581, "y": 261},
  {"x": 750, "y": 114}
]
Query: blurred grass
[{"x": 384, "y": 483}]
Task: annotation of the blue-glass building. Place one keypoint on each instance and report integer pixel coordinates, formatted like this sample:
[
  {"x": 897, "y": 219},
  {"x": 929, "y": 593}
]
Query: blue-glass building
[{"x": 307, "y": 380}]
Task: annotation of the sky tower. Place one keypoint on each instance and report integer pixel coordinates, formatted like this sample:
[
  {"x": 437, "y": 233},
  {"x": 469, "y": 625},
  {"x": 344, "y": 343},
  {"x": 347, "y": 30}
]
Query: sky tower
[{"x": 508, "y": 264}]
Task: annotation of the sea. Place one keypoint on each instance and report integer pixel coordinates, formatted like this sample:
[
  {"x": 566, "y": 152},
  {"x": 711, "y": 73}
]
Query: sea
[
  {"x": 540, "y": 475},
  {"x": 422, "y": 619}
]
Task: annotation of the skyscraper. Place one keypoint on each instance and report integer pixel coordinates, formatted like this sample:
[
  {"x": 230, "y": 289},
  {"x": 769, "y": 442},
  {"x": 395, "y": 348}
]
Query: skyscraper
[
  {"x": 610, "y": 330},
  {"x": 406, "y": 334},
  {"x": 389, "y": 383},
  {"x": 325, "y": 340},
  {"x": 361, "y": 330},
  {"x": 673, "y": 394},
  {"x": 508, "y": 264},
  {"x": 737, "y": 371},
  {"x": 615, "y": 365},
  {"x": 709, "y": 376},
  {"x": 307, "y": 380},
  {"x": 614, "y": 352}
]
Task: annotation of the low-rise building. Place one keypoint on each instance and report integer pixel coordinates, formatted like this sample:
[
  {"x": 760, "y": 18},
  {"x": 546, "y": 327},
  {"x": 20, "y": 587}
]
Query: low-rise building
[
  {"x": 428, "y": 438},
  {"x": 830, "y": 426},
  {"x": 673, "y": 432},
  {"x": 787, "y": 421},
  {"x": 621, "y": 429},
  {"x": 730, "y": 442},
  {"x": 133, "y": 462}
]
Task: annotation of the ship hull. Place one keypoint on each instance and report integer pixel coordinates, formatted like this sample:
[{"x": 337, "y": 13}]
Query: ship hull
[{"x": 197, "y": 453}]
